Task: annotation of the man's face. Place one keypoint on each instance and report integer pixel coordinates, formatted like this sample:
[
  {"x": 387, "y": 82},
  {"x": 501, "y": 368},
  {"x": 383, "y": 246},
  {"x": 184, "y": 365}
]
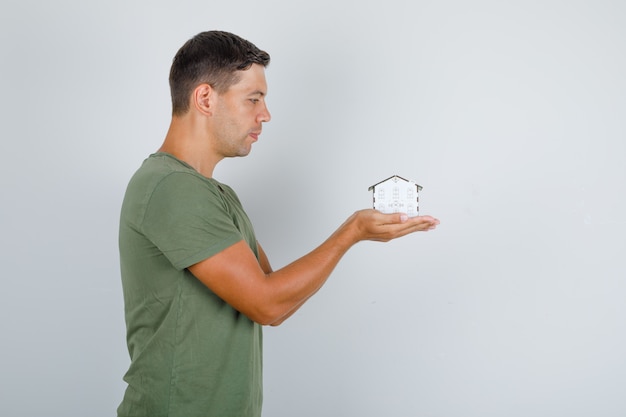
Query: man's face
[{"x": 240, "y": 112}]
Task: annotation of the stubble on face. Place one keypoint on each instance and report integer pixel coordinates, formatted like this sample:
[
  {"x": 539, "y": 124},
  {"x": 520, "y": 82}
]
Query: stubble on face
[{"x": 236, "y": 117}]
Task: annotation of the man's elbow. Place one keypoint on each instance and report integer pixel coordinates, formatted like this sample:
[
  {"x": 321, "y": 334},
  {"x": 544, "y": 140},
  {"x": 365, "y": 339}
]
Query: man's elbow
[
  {"x": 278, "y": 322},
  {"x": 267, "y": 316}
]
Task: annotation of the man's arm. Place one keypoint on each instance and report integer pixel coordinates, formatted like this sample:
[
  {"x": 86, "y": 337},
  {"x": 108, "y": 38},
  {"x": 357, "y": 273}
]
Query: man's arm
[
  {"x": 263, "y": 260},
  {"x": 267, "y": 268},
  {"x": 269, "y": 298}
]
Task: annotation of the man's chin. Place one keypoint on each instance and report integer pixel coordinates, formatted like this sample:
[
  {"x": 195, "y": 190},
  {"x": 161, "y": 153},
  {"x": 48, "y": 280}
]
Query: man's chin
[{"x": 243, "y": 152}]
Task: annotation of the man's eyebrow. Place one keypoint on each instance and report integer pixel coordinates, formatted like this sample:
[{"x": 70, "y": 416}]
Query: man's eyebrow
[{"x": 258, "y": 93}]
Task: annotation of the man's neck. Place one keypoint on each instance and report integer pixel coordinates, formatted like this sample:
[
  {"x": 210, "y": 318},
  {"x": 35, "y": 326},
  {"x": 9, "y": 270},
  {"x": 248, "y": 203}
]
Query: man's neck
[{"x": 188, "y": 141}]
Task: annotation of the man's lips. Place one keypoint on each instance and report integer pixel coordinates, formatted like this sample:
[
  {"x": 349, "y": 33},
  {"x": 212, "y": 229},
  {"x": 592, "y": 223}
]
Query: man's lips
[{"x": 255, "y": 135}]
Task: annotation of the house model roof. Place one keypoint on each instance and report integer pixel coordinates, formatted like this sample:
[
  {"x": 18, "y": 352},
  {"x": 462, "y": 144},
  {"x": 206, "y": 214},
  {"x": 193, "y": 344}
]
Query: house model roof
[
  {"x": 396, "y": 195},
  {"x": 395, "y": 178}
]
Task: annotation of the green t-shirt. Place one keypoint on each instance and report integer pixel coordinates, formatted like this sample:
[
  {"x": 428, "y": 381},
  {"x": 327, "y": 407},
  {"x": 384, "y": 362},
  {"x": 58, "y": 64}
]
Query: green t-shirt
[{"x": 191, "y": 353}]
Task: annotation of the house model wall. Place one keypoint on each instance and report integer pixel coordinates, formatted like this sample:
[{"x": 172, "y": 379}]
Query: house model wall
[{"x": 396, "y": 195}]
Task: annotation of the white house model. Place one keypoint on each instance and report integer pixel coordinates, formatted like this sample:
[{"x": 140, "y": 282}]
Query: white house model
[{"x": 396, "y": 195}]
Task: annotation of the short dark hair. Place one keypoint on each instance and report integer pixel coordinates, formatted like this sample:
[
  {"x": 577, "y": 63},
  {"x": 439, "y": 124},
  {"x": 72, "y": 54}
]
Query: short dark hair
[{"x": 212, "y": 57}]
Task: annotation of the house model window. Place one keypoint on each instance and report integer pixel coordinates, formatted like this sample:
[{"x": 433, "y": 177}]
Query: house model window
[{"x": 396, "y": 195}]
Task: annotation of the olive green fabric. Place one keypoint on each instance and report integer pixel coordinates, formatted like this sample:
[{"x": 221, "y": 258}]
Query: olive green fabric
[{"x": 191, "y": 353}]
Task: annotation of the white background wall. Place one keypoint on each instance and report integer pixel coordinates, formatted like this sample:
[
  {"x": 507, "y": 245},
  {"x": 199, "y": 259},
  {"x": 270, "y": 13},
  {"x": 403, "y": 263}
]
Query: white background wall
[{"x": 511, "y": 114}]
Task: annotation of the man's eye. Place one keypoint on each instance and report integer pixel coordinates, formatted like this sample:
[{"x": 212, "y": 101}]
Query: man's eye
[{"x": 254, "y": 100}]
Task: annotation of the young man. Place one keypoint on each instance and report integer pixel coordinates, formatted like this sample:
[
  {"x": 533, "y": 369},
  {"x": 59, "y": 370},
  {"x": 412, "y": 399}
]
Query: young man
[{"x": 197, "y": 285}]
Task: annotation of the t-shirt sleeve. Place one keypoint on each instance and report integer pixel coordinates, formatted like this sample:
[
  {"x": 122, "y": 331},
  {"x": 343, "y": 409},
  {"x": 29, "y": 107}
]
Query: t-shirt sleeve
[{"x": 188, "y": 220}]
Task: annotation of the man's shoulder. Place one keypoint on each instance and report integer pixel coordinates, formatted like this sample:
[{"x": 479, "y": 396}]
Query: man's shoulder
[
  {"x": 162, "y": 180},
  {"x": 162, "y": 168},
  {"x": 160, "y": 165}
]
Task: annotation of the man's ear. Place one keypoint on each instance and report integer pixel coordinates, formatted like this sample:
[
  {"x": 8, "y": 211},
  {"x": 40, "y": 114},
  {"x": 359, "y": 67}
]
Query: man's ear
[{"x": 203, "y": 98}]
